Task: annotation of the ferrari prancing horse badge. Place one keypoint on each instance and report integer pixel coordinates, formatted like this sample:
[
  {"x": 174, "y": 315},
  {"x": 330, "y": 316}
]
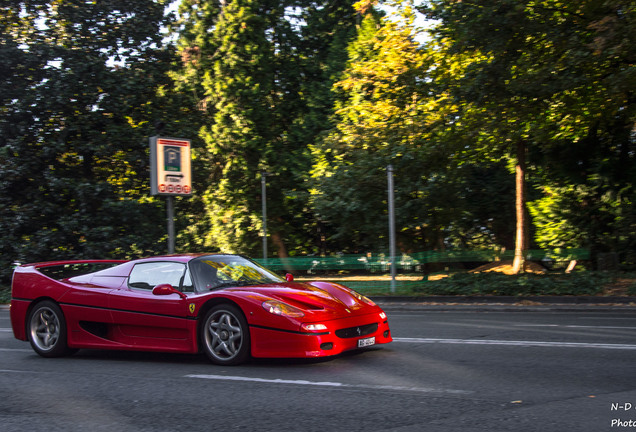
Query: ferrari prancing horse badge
[{"x": 191, "y": 307}]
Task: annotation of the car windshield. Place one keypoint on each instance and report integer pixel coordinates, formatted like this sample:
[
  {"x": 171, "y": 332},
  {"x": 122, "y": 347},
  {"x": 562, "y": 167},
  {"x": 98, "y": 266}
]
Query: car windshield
[{"x": 218, "y": 271}]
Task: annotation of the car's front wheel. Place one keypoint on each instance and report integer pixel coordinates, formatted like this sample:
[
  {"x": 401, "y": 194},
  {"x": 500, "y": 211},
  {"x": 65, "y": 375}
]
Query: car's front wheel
[
  {"x": 225, "y": 335},
  {"x": 47, "y": 330}
]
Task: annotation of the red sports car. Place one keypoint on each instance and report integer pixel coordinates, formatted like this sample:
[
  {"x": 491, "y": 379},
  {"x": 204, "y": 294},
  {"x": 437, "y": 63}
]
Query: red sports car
[{"x": 228, "y": 306}]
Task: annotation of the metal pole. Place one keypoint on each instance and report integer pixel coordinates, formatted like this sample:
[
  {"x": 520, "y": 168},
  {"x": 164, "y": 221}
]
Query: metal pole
[
  {"x": 264, "y": 200},
  {"x": 389, "y": 170},
  {"x": 170, "y": 210}
]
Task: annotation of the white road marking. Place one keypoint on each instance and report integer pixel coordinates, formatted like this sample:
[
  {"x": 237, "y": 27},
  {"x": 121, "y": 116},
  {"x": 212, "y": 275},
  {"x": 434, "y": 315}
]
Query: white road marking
[
  {"x": 536, "y": 325},
  {"x": 328, "y": 384},
  {"x": 576, "y": 326},
  {"x": 16, "y": 349},
  {"x": 517, "y": 343}
]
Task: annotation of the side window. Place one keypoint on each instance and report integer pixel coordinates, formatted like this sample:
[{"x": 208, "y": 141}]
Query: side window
[
  {"x": 149, "y": 275},
  {"x": 187, "y": 285}
]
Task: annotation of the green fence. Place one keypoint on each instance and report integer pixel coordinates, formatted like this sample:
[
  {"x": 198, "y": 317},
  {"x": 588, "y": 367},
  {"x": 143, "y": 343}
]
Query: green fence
[
  {"x": 381, "y": 263},
  {"x": 381, "y": 286}
]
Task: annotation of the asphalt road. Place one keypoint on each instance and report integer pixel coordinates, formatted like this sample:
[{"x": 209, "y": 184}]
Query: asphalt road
[{"x": 446, "y": 371}]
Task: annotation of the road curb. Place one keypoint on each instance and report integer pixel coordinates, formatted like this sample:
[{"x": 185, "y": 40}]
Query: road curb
[{"x": 426, "y": 307}]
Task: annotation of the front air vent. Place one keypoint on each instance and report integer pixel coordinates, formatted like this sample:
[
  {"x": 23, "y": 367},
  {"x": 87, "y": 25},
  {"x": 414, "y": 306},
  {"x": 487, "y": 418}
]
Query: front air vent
[{"x": 353, "y": 332}]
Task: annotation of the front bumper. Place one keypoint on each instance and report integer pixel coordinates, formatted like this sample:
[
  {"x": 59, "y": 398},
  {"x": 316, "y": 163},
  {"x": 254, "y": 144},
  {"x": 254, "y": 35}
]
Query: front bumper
[{"x": 341, "y": 335}]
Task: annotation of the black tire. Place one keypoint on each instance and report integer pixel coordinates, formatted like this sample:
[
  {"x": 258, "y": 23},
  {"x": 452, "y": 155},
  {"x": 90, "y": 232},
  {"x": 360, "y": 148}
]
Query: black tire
[
  {"x": 225, "y": 335},
  {"x": 46, "y": 330}
]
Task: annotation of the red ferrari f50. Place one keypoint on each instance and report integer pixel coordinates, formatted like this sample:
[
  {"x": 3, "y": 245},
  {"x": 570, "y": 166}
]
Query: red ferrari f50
[{"x": 227, "y": 306}]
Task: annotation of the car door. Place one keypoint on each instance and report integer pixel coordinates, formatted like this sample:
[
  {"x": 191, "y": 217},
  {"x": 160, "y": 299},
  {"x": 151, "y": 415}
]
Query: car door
[
  {"x": 154, "y": 322},
  {"x": 86, "y": 309}
]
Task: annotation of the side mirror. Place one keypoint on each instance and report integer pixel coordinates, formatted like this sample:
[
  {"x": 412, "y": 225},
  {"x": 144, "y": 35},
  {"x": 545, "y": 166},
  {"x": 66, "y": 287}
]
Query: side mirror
[
  {"x": 166, "y": 289},
  {"x": 289, "y": 277}
]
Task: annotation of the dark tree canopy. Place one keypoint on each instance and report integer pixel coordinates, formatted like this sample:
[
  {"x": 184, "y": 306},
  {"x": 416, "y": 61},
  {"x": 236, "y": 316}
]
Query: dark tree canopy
[{"x": 74, "y": 121}]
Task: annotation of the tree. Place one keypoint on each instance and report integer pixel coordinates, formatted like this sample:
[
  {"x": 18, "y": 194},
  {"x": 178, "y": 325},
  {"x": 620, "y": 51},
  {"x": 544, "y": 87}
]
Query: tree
[
  {"x": 240, "y": 87},
  {"x": 537, "y": 80},
  {"x": 387, "y": 113},
  {"x": 257, "y": 68},
  {"x": 74, "y": 122}
]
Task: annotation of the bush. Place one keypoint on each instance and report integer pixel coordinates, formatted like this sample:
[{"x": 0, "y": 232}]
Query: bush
[
  {"x": 5, "y": 295},
  {"x": 580, "y": 283}
]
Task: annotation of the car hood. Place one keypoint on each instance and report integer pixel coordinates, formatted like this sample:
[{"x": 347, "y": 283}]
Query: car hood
[{"x": 315, "y": 298}]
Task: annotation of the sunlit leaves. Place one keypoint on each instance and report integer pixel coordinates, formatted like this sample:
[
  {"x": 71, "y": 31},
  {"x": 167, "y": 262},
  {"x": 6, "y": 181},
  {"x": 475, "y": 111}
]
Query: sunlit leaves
[
  {"x": 387, "y": 112},
  {"x": 551, "y": 80}
]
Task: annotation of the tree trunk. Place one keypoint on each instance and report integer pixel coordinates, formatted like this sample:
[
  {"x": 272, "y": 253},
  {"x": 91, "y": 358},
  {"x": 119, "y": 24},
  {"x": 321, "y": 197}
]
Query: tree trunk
[
  {"x": 277, "y": 239},
  {"x": 521, "y": 237}
]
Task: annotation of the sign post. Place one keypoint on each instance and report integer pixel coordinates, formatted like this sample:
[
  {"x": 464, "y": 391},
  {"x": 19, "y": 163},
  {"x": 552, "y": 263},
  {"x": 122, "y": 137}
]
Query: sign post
[
  {"x": 389, "y": 172},
  {"x": 170, "y": 175}
]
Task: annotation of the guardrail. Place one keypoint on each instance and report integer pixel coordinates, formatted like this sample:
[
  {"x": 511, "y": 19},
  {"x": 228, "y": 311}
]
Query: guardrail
[{"x": 381, "y": 263}]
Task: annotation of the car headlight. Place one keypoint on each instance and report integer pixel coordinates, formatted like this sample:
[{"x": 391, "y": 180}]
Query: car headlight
[
  {"x": 313, "y": 327},
  {"x": 283, "y": 309}
]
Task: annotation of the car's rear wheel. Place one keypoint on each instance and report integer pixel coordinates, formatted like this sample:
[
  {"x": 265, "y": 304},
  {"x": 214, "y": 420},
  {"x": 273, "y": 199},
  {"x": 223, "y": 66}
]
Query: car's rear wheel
[
  {"x": 225, "y": 335},
  {"x": 47, "y": 330}
]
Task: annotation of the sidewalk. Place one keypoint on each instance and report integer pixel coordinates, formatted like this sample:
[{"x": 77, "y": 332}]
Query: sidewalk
[{"x": 508, "y": 303}]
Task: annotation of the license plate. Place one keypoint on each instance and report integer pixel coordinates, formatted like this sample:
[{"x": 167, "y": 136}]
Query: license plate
[{"x": 366, "y": 342}]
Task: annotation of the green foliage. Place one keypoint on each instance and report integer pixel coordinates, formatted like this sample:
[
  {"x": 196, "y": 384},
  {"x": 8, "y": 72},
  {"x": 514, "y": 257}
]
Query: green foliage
[
  {"x": 259, "y": 69},
  {"x": 466, "y": 284},
  {"x": 240, "y": 87},
  {"x": 555, "y": 76},
  {"x": 588, "y": 214},
  {"x": 74, "y": 129},
  {"x": 349, "y": 178},
  {"x": 5, "y": 295},
  {"x": 323, "y": 96},
  {"x": 391, "y": 110}
]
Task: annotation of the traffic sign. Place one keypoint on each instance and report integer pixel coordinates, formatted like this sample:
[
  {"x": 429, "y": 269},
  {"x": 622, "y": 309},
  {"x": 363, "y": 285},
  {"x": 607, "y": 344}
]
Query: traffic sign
[{"x": 170, "y": 166}]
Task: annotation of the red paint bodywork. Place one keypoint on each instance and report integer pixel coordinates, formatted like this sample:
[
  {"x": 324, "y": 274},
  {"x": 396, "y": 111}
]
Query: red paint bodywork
[{"x": 102, "y": 312}]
